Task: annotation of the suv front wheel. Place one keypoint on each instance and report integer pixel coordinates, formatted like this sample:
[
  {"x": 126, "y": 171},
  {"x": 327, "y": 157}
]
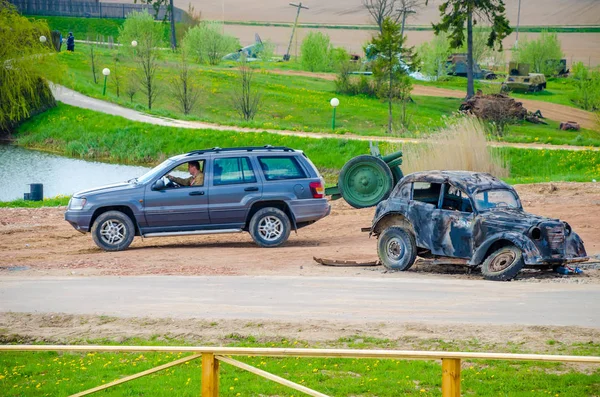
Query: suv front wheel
[
  {"x": 270, "y": 227},
  {"x": 113, "y": 231}
]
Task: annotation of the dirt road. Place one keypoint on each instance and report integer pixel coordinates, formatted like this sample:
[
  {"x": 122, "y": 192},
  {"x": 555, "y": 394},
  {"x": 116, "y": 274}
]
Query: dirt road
[
  {"x": 39, "y": 242},
  {"x": 549, "y": 110}
]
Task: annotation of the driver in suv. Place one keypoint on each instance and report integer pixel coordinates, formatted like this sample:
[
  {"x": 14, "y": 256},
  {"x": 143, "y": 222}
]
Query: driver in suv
[{"x": 197, "y": 178}]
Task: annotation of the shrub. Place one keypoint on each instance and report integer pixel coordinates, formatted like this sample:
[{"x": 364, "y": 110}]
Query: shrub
[
  {"x": 206, "y": 44},
  {"x": 587, "y": 87},
  {"x": 543, "y": 55},
  {"x": 434, "y": 55},
  {"x": 315, "y": 51}
]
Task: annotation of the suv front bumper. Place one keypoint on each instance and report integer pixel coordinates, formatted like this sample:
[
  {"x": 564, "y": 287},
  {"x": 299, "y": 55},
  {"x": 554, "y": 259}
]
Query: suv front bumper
[{"x": 79, "y": 220}]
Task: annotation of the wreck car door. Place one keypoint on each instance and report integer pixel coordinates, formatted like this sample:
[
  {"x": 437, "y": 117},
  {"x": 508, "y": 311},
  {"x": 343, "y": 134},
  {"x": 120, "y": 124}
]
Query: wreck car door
[
  {"x": 423, "y": 204},
  {"x": 453, "y": 219}
]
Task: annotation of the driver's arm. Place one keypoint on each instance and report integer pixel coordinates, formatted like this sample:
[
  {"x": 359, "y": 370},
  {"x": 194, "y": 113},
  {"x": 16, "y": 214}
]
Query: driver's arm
[{"x": 181, "y": 181}]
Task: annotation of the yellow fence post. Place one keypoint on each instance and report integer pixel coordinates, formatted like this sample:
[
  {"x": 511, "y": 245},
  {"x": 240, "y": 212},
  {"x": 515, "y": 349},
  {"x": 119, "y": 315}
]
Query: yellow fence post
[
  {"x": 210, "y": 375},
  {"x": 450, "y": 377}
]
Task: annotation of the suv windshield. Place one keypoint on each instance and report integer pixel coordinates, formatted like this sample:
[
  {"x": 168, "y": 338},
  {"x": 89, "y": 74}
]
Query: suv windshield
[
  {"x": 154, "y": 171},
  {"x": 496, "y": 199}
]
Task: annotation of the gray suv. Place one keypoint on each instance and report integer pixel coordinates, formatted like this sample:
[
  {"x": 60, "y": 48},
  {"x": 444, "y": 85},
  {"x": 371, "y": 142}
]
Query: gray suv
[{"x": 266, "y": 191}]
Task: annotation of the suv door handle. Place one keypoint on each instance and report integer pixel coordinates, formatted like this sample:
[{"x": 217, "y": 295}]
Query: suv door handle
[
  {"x": 196, "y": 193},
  {"x": 251, "y": 189}
]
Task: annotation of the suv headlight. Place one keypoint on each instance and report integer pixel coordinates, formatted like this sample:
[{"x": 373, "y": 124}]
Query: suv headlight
[{"x": 77, "y": 203}]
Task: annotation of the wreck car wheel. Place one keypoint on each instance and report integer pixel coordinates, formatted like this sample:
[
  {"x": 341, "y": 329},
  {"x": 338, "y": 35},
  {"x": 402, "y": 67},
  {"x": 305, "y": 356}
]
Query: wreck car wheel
[
  {"x": 113, "y": 231},
  {"x": 270, "y": 227},
  {"x": 365, "y": 181},
  {"x": 503, "y": 264},
  {"x": 397, "y": 248}
]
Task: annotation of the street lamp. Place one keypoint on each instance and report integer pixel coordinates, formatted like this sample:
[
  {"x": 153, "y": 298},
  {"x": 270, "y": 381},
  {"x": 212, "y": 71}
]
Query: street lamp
[
  {"x": 42, "y": 39},
  {"x": 105, "y": 72},
  {"x": 134, "y": 44},
  {"x": 334, "y": 103}
]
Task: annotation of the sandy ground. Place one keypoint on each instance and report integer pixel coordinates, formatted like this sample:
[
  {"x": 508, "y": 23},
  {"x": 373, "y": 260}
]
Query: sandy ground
[
  {"x": 39, "y": 242},
  {"x": 352, "y": 12}
]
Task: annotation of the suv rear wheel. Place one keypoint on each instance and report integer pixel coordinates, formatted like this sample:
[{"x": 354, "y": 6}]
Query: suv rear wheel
[
  {"x": 113, "y": 231},
  {"x": 397, "y": 248},
  {"x": 503, "y": 264},
  {"x": 270, "y": 227}
]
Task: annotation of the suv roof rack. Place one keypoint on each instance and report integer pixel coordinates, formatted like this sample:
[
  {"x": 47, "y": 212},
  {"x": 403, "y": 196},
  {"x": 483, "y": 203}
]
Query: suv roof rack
[{"x": 245, "y": 148}]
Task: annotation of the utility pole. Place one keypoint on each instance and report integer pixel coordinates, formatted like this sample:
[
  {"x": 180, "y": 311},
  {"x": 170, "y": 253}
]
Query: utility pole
[
  {"x": 518, "y": 20},
  {"x": 405, "y": 11},
  {"x": 173, "y": 37},
  {"x": 286, "y": 57}
]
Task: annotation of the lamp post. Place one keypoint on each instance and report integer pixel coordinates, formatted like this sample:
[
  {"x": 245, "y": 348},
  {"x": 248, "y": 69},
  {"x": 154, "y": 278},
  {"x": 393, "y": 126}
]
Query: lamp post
[
  {"x": 42, "y": 39},
  {"x": 134, "y": 44},
  {"x": 105, "y": 72},
  {"x": 334, "y": 103}
]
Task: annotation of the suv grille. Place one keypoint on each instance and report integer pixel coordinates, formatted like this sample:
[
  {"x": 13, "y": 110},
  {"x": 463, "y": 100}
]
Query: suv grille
[{"x": 556, "y": 237}]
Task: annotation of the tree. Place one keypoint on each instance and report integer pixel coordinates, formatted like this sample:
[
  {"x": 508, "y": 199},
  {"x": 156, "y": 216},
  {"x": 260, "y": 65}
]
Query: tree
[
  {"x": 246, "y": 99},
  {"x": 156, "y": 4},
  {"x": 116, "y": 73},
  {"x": 131, "y": 85},
  {"x": 434, "y": 55},
  {"x": 24, "y": 66},
  {"x": 92, "y": 45},
  {"x": 543, "y": 55},
  {"x": 182, "y": 87},
  {"x": 206, "y": 44},
  {"x": 140, "y": 26},
  {"x": 315, "y": 51},
  {"x": 455, "y": 13},
  {"x": 388, "y": 49},
  {"x": 393, "y": 9}
]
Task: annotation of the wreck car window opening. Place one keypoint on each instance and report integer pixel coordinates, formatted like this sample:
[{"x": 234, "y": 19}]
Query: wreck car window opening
[
  {"x": 456, "y": 200},
  {"x": 426, "y": 192},
  {"x": 497, "y": 198}
]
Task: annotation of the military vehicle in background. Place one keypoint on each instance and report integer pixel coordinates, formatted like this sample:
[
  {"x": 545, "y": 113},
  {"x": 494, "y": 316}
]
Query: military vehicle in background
[
  {"x": 520, "y": 80},
  {"x": 456, "y": 64}
]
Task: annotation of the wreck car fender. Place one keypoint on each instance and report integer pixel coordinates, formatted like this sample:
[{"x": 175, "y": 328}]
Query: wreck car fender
[
  {"x": 390, "y": 219},
  {"x": 531, "y": 254},
  {"x": 575, "y": 248}
]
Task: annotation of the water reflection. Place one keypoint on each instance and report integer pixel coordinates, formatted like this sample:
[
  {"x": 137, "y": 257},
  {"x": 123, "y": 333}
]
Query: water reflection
[{"x": 60, "y": 175}]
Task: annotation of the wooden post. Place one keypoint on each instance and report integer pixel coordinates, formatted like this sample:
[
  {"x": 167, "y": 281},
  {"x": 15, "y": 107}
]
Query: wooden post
[
  {"x": 210, "y": 375},
  {"x": 450, "y": 377}
]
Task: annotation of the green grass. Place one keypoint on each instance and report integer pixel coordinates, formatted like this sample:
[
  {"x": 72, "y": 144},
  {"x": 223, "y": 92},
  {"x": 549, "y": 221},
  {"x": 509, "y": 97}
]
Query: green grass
[
  {"x": 47, "y": 202},
  {"x": 61, "y": 374},
  {"x": 528, "y": 29},
  {"x": 289, "y": 102},
  {"x": 83, "y": 28},
  {"x": 90, "y": 135}
]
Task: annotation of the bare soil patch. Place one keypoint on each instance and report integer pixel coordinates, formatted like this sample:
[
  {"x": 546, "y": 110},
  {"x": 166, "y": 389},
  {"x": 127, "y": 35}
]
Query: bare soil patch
[{"x": 39, "y": 242}]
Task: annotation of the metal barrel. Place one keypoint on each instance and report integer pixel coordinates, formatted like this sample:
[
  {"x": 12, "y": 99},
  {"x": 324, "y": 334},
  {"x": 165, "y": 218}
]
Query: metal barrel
[
  {"x": 391, "y": 157},
  {"x": 36, "y": 192}
]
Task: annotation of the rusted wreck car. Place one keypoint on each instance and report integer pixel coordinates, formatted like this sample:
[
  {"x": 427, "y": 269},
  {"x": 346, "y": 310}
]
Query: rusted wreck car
[{"x": 472, "y": 217}]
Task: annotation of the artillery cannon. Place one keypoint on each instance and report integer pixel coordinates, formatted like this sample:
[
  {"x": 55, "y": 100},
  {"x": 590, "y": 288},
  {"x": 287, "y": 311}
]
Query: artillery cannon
[{"x": 368, "y": 179}]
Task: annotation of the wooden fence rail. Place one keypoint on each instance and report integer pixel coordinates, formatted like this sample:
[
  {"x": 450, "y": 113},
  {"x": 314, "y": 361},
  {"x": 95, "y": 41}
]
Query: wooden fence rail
[{"x": 212, "y": 356}]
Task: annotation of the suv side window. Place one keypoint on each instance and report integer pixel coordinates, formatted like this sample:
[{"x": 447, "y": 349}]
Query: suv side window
[
  {"x": 278, "y": 168},
  {"x": 232, "y": 170},
  {"x": 426, "y": 192}
]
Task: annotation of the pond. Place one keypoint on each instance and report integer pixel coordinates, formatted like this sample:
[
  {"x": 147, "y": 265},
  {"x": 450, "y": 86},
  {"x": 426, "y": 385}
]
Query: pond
[{"x": 60, "y": 175}]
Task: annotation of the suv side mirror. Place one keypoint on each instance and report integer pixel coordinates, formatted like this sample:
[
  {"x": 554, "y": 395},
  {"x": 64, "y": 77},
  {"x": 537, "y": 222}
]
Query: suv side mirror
[{"x": 158, "y": 185}]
